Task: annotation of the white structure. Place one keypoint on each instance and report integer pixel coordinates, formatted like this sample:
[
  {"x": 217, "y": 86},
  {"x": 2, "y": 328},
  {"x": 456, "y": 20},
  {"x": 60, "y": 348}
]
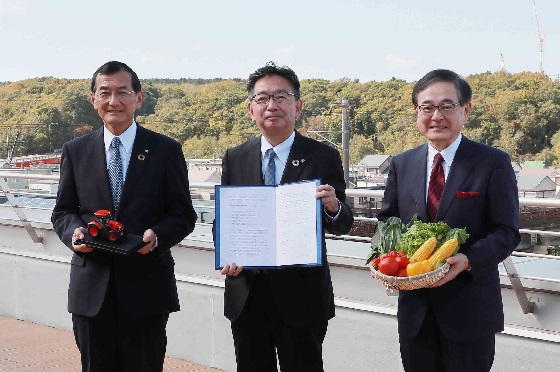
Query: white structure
[{"x": 373, "y": 165}]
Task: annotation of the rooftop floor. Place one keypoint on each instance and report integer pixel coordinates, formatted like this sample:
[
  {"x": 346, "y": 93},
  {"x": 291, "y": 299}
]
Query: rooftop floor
[{"x": 32, "y": 347}]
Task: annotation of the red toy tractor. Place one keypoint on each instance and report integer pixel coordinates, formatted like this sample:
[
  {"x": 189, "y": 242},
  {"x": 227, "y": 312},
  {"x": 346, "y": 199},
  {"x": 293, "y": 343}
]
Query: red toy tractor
[{"x": 105, "y": 226}]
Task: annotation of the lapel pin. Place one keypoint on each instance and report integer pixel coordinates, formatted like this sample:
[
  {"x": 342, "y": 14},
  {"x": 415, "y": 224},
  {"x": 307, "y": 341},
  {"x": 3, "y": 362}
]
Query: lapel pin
[
  {"x": 142, "y": 156},
  {"x": 295, "y": 163}
]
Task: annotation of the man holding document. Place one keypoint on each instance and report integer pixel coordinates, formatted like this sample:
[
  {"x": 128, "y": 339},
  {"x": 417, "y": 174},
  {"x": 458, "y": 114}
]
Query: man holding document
[{"x": 284, "y": 309}]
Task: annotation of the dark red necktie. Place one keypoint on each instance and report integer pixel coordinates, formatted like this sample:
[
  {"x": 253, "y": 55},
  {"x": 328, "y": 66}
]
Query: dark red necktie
[{"x": 435, "y": 188}]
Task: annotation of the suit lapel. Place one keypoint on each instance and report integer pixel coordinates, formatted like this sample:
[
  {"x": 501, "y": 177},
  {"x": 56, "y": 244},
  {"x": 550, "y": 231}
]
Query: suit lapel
[
  {"x": 99, "y": 167},
  {"x": 298, "y": 160},
  {"x": 252, "y": 163},
  {"x": 460, "y": 169},
  {"x": 139, "y": 160},
  {"x": 417, "y": 179}
]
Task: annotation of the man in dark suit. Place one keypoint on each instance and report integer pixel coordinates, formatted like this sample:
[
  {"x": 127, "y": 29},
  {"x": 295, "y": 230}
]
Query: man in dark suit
[
  {"x": 120, "y": 305},
  {"x": 452, "y": 325},
  {"x": 283, "y": 311}
]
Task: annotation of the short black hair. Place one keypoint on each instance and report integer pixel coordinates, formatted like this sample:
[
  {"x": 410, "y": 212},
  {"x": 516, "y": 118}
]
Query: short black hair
[
  {"x": 271, "y": 69},
  {"x": 440, "y": 75},
  {"x": 112, "y": 67}
]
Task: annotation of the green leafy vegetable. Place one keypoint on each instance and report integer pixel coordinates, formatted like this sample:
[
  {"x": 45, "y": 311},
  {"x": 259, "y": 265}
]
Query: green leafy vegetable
[
  {"x": 386, "y": 236},
  {"x": 393, "y": 234},
  {"x": 419, "y": 232}
]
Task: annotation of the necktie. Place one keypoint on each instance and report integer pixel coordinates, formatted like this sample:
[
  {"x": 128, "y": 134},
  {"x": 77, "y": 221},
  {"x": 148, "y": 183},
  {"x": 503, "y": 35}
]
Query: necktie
[
  {"x": 435, "y": 188},
  {"x": 115, "y": 171},
  {"x": 270, "y": 170}
]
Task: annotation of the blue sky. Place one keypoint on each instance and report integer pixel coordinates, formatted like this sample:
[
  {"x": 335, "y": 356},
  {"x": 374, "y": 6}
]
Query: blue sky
[{"x": 356, "y": 39}]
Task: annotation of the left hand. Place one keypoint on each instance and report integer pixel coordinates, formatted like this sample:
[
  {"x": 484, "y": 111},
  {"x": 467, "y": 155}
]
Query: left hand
[
  {"x": 327, "y": 194},
  {"x": 150, "y": 238},
  {"x": 457, "y": 263}
]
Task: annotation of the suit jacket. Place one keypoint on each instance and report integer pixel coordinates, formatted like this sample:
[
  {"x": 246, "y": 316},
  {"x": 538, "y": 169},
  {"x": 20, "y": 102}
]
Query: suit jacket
[
  {"x": 303, "y": 296},
  {"x": 155, "y": 196},
  {"x": 480, "y": 194}
]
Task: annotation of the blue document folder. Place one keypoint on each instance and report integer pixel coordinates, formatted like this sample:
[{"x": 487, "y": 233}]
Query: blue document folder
[{"x": 268, "y": 226}]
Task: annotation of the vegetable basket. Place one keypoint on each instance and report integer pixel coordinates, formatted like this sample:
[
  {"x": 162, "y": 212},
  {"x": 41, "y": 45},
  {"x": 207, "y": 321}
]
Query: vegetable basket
[{"x": 406, "y": 283}]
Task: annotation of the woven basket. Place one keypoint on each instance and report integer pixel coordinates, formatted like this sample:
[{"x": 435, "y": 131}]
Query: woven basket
[{"x": 406, "y": 283}]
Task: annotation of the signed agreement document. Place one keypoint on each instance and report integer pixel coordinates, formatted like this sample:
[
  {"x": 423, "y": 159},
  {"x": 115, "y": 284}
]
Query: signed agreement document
[{"x": 268, "y": 226}]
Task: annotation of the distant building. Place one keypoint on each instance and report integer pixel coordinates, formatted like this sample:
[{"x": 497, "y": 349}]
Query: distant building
[
  {"x": 373, "y": 165},
  {"x": 204, "y": 175},
  {"x": 535, "y": 170},
  {"x": 35, "y": 160},
  {"x": 532, "y": 164},
  {"x": 371, "y": 171},
  {"x": 205, "y": 164},
  {"x": 536, "y": 186}
]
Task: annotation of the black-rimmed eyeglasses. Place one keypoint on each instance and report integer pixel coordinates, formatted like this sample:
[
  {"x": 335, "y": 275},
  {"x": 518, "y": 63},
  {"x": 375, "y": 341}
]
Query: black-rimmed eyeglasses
[
  {"x": 263, "y": 99},
  {"x": 444, "y": 108}
]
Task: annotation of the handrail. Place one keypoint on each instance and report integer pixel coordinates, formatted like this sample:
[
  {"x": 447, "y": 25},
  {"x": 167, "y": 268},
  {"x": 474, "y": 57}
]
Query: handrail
[
  {"x": 527, "y": 306},
  {"x": 19, "y": 211}
]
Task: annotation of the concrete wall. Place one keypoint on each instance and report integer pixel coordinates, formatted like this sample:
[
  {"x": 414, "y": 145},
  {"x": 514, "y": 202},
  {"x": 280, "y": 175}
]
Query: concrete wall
[{"x": 362, "y": 337}]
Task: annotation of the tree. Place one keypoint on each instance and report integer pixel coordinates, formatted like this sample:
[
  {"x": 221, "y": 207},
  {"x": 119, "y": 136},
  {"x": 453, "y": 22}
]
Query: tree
[{"x": 360, "y": 146}]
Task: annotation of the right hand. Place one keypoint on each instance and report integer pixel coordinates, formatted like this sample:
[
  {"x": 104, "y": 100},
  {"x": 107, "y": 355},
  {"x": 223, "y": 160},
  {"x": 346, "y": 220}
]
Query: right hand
[
  {"x": 79, "y": 234},
  {"x": 231, "y": 270}
]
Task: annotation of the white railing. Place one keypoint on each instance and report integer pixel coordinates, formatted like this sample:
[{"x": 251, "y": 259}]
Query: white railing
[{"x": 515, "y": 279}]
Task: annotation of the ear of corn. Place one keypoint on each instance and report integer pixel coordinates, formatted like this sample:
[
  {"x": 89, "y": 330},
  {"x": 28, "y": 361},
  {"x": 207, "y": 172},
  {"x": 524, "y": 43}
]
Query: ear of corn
[
  {"x": 425, "y": 250},
  {"x": 443, "y": 252}
]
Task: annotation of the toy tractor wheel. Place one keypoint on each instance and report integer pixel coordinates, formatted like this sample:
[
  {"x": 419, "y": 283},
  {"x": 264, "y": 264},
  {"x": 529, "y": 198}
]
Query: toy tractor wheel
[
  {"x": 113, "y": 236},
  {"x": 93, "y": 230}
]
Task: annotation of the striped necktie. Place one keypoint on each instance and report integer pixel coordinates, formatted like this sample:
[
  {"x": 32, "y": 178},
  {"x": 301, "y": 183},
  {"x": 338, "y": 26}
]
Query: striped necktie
[
  {"x": 435, "y": 187},
  {"x": 116, "y": 171}
]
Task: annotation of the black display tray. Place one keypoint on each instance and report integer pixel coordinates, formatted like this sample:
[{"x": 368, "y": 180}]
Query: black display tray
[{"x": 127, "y": 245}]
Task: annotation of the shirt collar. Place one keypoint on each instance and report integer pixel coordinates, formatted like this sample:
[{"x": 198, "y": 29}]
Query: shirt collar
[
  {"x": 127, "y": 137},
  {"x": 282, "y": 150},
  {"x": 448, "y": 153}
]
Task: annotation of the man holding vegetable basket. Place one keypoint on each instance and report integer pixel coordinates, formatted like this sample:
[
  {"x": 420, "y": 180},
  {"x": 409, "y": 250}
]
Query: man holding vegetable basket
[{"x": 469, "y": 190}]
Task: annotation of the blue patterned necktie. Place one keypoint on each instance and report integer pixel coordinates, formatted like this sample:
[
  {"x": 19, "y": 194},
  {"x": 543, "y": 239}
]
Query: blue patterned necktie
[
  {"x": 115, "y": 171},
  {"x": 270, "y": 170}
]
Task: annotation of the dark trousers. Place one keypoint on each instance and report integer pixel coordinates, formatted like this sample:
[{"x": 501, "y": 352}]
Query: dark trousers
[
  {"x": 431, "y": 351},
  {"x": 111, "y": 341},
  {"x": 259, "y": 335}
]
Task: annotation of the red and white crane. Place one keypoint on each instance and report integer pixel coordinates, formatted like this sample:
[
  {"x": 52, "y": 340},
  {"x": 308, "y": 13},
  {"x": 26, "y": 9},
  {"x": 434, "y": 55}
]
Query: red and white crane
[{"x": 540, "y": 38}]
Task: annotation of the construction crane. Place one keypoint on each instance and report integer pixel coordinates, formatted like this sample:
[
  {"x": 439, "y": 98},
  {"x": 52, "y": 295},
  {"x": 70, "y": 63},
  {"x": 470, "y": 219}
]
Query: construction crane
[
  {"x": 540, "y": 38},
  {"x": 11, "y": 154}
]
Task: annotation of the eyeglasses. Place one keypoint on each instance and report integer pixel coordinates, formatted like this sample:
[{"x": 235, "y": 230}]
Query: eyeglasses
[
  {"x": 263, "y": 99},
  {"x": 122, "y": 95},
  {"x": 445, "y": 108}
]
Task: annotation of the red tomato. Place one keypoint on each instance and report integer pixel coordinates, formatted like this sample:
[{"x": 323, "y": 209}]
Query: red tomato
[
  {"x": 402, "y": 272},
  {"x": 402, "y": 261},
  {"x": 393, "y": 254},
  {"x": 383, "y": 256},
  {"x": 376, "y": 261},
  {"x": 388, "y": 266},
  {"x": 402, "y": 253}
]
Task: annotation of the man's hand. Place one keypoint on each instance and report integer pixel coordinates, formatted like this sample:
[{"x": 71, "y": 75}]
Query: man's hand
[
  {"x": 328, "y": 198},
  {"x": 79, "y": 234},
  {"x": 231, "y": 270},
  {"x": 150, "y": 238},
  {"x": 457, "y": 263}
]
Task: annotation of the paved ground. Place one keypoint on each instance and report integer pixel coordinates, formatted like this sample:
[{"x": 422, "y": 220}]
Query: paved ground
[{"x": 32, "y": 347}]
